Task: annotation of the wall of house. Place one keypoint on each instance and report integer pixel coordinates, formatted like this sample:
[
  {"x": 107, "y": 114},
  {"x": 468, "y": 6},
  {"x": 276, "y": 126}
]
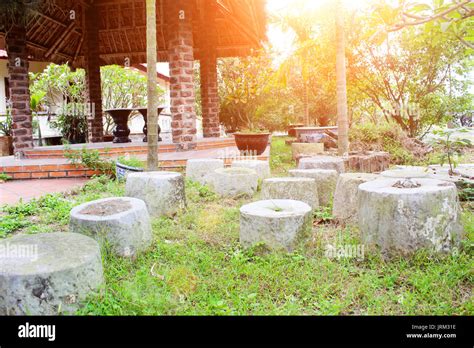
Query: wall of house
[{"x": 34, "y": 67}]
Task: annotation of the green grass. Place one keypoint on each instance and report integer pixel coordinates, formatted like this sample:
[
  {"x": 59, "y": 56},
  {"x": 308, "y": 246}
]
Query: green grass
[
  {"x": 281, "y": 159},
  {"x": 197, "y": 266}
]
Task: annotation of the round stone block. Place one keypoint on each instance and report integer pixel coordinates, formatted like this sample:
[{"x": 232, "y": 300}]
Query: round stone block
[
  {"x": 278, "y": 223},
  {"x": 401, "y": 215},
  {"x": 234, "y": 182},
  {"x": 48, "y": 273},
  {"x": 299, "y": 189},
  {"x": 326, "y": 180},
  {"x": 322, "y": 162},
  {"x": 409, "y": 172},
  {"x": 123, "y": 222},
  {"x": 261, "y": 167},
  {"x": 163, "y": 192},
  {"x": 200, "y": 169},
  {"x": 345, "y": 195}
]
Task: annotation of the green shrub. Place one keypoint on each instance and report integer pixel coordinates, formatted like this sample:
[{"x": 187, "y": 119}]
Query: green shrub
[
  {"x": 386, "y": 136},
  {"x": 90, "y": 159}
]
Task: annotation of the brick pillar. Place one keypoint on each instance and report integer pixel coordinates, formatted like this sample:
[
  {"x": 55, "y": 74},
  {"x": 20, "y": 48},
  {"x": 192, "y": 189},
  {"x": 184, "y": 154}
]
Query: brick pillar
[
  {"x": 19, "y": 89},
  {"x": 209, "y": 88},
  {"x": 181, "y": 59},
  {"x": 92, "y": 58}
]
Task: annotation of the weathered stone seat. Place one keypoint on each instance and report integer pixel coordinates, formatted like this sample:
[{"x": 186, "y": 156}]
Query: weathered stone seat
[
  {"x": 322, "y": 162},
  {"x": 401, "y": 215},
  {"x": 200, "y": 169},
  {"x": 345, "y": 196},
  {"x": 48, "y": 273},
  {"x": 325, "y": 179},
  {"x": 234, "y": 182},
  {"x": 279, "y": 224},
  {"x": 122, "y": 222},
  {"x": 409, "y": 172},
  {"x": 300, "y": 189},
  {"x": 262, "y": 168},
  {"x": 163, "y": 192}
]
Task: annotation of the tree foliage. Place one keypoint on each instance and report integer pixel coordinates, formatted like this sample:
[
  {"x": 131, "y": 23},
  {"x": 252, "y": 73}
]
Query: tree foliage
[
  {"x": 65, "y": 94},
  {"x": 251, "y": 97}
]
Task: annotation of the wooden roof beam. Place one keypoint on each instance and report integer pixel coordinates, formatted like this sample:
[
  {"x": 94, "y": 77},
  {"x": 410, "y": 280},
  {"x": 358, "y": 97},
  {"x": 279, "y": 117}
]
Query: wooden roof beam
[{"x": 61, "y": 39}]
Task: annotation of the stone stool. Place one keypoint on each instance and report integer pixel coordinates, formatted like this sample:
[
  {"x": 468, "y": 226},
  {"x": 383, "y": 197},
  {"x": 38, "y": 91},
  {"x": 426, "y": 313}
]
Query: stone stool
[
  {"x": 122, "y": 222},
  {"x": 403, "y": 215},
  {"x": 300, "y": 189},
  {"x": 411, "y": 172},
  {"x": 279, "y": 223},
  {"x": 326, "y": 180},
  {"x": 163, "y": 192},
  {"x": 345, "y": 196},
  {"x": 48, "y": 273},
  {"x": 234, "y": 182},
  {"x": 322, "y": 162},
  {"x": 200, "y": 169},
  {"x": 261, "y": 167}
]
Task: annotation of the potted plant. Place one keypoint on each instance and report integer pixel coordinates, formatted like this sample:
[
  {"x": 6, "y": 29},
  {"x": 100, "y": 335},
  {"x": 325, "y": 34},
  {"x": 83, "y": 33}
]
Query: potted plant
[
  {"x": 126, "y": 165},
  {"x": 6, "y": 139},
  {"x": 252, "y": 141}
]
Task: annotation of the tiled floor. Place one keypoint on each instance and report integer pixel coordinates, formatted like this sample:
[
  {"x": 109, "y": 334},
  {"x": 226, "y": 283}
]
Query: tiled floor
[{"x": 12, "y": 191}]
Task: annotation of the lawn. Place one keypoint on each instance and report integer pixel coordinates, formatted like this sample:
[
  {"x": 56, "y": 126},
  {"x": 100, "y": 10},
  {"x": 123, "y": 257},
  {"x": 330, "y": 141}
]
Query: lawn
[{"x": 196, "y": 265}]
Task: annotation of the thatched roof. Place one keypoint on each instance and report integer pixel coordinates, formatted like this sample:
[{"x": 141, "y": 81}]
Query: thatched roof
[{"x": 122, "y": 30}]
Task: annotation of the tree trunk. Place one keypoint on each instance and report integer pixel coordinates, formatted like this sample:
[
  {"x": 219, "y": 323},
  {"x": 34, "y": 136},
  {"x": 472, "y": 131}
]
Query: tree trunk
[
  {"x": 152, "y": 93},
  {"x": 306, "y": 104},
  {"x": 342, "y": 123}
]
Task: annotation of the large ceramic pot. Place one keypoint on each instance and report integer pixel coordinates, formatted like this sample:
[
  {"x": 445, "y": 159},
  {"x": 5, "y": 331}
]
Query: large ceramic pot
[
  {"x": 251, "y": 144},
  {"x": 6, "y": 146},
  {"x": 108, "y": 138}
]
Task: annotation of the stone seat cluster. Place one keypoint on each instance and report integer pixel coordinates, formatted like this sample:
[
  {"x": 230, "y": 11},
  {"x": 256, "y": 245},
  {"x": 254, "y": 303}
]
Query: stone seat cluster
[
  {"x": 57, "y": 271},
  {"x": 399, "y": 211}
]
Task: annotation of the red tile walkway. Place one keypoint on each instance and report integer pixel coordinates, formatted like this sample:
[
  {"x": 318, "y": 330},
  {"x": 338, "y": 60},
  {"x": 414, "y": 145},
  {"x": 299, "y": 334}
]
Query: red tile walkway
[{"x": 12, "y": 191}]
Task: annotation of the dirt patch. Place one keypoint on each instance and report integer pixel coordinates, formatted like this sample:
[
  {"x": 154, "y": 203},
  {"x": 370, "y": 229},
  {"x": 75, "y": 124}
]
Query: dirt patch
[{"x": 107, "y": 208}]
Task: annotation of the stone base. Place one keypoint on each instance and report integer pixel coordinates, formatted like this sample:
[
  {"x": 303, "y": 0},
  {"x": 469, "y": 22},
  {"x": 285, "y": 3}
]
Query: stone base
[
  {"x": 279, "y": 224},
  {"x": 201, "y": 169},
  {"x": 326, "y": 180},
  {"x": 122, "y": 222},
  {"x": 163, "y": 192},
  {"x": 322, "y": 162},
  {"x": 234, "y": 182},
  {"x": 404, "y": 219},
  {"x": 299, "y": 189},
  {"x": 55, "y": 273},
  {"x": 367, "y": 162},
  {"x": 346, "y": 194},
  {"x": 262, "y": 168}
]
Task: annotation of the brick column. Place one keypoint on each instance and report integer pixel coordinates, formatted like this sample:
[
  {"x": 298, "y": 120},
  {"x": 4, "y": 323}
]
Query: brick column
[
  {"x": 209, "y": 87},
  {"x": 181, "y": 60},
  {"x": 92, "y": 58},
  {"x": 19, "y": 89}
]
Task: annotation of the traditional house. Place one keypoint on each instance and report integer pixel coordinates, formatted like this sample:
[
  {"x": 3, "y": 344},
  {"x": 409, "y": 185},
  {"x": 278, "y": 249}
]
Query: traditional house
[{"x": 91, "y": 33}]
